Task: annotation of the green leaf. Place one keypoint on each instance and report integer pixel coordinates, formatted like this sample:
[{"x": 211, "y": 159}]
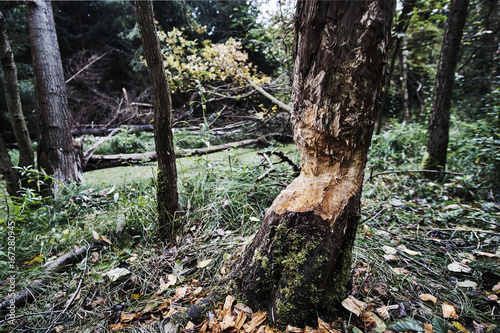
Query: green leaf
[
  {"x": 406, "y": 325},
  {"x": 439, "y": 325}
]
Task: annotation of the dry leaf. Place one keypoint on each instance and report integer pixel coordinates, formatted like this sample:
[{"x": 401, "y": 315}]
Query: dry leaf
[
  {"x": 257, "y": 319},
  {"x": 408, "y": 251},
  {"x": 180, "y": 292},
  {"x": 95, "y": 235},
  {"x": 125, "y": 317},
  {"x": 428, "y": 328},
  {"x": 496, "y": 287},
  {"x": 493, "y": 297},
  {"x": 383, "y": 312},
  {"x": 325, "y": 327},
  {"x": 449, "y": 311},
  {"x": 292, "y": 329},
  {"x": 116, "y": 327},
  {"x": 204, "y": 263},
  {"x": 227, "y": 322},
  {"x": 106, "y": 240},
  {"x": 389, "y": 250},
  {"x": 486, "y": 254},
  {"x": 401, "y": 271},
  {"x": 353, "y": 305},
  {"x": 390, "y": 257},
  {"x": 458, "y": 267},
  {"x": 240, "y": 307},
  {"x": 189, "y": 325},
  {"x": 467, "y": 284},
  {"x": 428, "y": 297},
  {"x": 368, "y": 320}
]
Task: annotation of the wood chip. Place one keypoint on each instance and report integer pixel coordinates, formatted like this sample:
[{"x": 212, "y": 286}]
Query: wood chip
[{"x": 353, "y": 305}]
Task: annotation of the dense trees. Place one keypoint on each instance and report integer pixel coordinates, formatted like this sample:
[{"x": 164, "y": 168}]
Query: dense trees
[
  {"x": 167, "y": 197},
  {"x": 57, "y": 152},
  {"x": 299, "y": 262}
]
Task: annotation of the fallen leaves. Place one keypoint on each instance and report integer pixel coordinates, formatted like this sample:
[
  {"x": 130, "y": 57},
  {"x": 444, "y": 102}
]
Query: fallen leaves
[
  {"x": 428, "y": 297},
  {"x": 449, "y": 311},
  {"x": 458, "y": 267}
]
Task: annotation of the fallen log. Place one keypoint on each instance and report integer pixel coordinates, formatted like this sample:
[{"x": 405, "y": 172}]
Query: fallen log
[
  {"x": 103, "y": 131},
  {"x": 28, "y": 294},
  {"x": 96, "y": 162}
]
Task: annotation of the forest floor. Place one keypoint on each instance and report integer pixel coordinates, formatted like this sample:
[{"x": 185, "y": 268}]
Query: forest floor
[{"x": 426, "y": 257}]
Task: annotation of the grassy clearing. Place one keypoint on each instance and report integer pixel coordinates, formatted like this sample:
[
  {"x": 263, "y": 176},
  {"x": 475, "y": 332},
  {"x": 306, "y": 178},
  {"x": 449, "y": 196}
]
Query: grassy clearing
[{"x": 412, "y": 229}]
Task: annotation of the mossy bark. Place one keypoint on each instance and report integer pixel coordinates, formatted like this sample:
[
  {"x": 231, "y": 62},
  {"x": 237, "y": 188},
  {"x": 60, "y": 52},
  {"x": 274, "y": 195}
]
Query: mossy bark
[
  {"x": 298, "y": 264},
  {"x": 167, "y": 197}
]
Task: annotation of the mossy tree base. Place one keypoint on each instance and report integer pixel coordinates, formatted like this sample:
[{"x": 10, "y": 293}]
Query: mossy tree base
[{"x": 297, "y": 267}]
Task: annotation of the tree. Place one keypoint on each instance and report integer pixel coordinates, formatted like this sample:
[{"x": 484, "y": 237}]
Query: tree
[
  {"x": 167, "y": 197},
  {"x": 11, "y": 88},
  {"x": 57, "y": 153},
  {"x": 299, "y": 262},
  {"x": 437, "y": 145}
]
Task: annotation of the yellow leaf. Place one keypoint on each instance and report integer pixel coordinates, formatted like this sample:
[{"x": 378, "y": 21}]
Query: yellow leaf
[
  {"x": 449, "y": 311},
  {"x": 459, "y": 327},
  {"x": 204, "y": 263},
  {"x": 36, "y": 260},
  {"x": 106, "y": 240},
  {"x": 137, "y": 296},
  {"x": 428, "y": 297}
]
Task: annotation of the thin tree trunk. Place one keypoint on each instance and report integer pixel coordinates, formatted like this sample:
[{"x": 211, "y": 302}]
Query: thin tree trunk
[
  {"x": 437, "y": 145},
  {"x": 57, "y": 152},
  {"x": 404, "y": 81},
  {"x": 299, "y": 263},
  {"x": 401, "y": 27},
  {"x": 11, "y": 88},
  {"x": 167, "y": 197}
]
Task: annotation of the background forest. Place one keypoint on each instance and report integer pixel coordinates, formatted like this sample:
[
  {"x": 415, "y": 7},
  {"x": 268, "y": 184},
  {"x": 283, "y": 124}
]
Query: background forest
[{"x": 421, "y": 234}]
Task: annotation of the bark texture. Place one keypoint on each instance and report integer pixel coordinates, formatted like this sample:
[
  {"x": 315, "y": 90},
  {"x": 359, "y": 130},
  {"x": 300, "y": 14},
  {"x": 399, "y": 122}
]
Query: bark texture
[
  {"x": 298, "y": 264},
  {"x": 167, "y": 197},
  {"x": 57, "y": 153},
  {"x": 11, "y": 88},
  {"x": 439, "y": 124},
  {"x": 8, "y": 171}
]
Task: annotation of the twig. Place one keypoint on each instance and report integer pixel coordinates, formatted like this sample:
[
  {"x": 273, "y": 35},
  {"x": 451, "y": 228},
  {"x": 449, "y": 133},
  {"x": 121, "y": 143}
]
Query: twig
[
  {"x": 87, "y": 66},
  {"x": 268, "y": 171},
  {"x": 90, "y": 151},
  {"x": 415, "y": 171},
  {"x": 283, "y": 158},
  {"x": 70, "y": 300},
  {"x": 29, "y": 315},
  {"x": 373, "y": 216}
]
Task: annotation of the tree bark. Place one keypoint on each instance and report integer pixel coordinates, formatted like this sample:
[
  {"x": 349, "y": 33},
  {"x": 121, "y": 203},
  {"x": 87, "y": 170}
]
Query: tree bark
[
  {"x": 299, "y": 262},
  {"x": 8, "y": 171},
  {"x": 404, "y": 80},
  {"x": 167, "y": 197},
  {"x": 437, "y": 145},
  {"x": 11, "y": 88},
  {"x": 57, "y": 153}
]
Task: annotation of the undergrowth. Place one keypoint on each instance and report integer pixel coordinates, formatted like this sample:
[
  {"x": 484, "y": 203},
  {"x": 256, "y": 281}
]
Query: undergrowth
[{"x": 411, "y": 230}]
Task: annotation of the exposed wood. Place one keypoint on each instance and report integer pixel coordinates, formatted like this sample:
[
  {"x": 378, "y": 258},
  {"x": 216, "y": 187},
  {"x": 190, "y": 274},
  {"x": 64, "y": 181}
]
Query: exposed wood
[
  {"x": 96, "y": 145},
  {"x": 297, "y": 266},
  {"x": 29, "y": 294}
]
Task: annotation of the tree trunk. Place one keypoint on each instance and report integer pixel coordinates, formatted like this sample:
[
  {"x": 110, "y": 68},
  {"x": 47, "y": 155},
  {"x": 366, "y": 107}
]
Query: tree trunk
[
  {"x": 299, "y": 263},
  {"x": 401, "y": 27},
  {"x": 167, "y": 197},
  {"x": 57, "y": 153},
  {"x": 11, "y": 88},
  {"x": 404, "y": 80},
  {"x": 437, "y": 145},
  {"x": 8, "y": 171}
]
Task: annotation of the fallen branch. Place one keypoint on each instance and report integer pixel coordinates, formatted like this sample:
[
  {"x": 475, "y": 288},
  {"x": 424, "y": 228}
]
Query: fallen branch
[
  {"x": 108, "y": 161},
  {"x": 90, "y": 151},
  {"x": 284, "y": 159},
  {"x": 264, "y": 93},
  {"x": 415, "y": 171},
  {"x": 268, "y": 171},
  {"x": 29, "y": 294}
]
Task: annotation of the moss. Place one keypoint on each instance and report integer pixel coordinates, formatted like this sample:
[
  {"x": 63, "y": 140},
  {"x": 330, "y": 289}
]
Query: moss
[{"x": 430, "y": 163}]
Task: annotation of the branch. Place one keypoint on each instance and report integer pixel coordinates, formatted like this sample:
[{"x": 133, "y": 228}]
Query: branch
[
  {"x": 268, "y": 171},
  {"x": 415, "y": 171},
  {"x": 273, "y": 99},
  {"x": 87, "y": 66},
  {"x": 96, "y": 145}
]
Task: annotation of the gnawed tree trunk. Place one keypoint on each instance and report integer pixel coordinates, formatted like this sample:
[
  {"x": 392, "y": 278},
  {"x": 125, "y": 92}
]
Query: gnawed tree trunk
[
  {"x": 167, "y": 197},
  {"x": 57, "y": 153},
  {"x": 299, "y": 263},
  {"x": 11, "y": 88},
  {"x": 439, "y": 125}
]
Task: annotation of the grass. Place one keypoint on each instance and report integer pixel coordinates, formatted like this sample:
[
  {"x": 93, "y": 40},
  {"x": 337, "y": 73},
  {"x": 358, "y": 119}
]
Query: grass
[{"x": 443, "y": 221}]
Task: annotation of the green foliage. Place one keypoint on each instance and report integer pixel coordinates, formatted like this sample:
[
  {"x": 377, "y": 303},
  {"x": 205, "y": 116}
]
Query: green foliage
[
  {"x": 127, "y": 142},
  {"x": 406, "y": 325}
]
